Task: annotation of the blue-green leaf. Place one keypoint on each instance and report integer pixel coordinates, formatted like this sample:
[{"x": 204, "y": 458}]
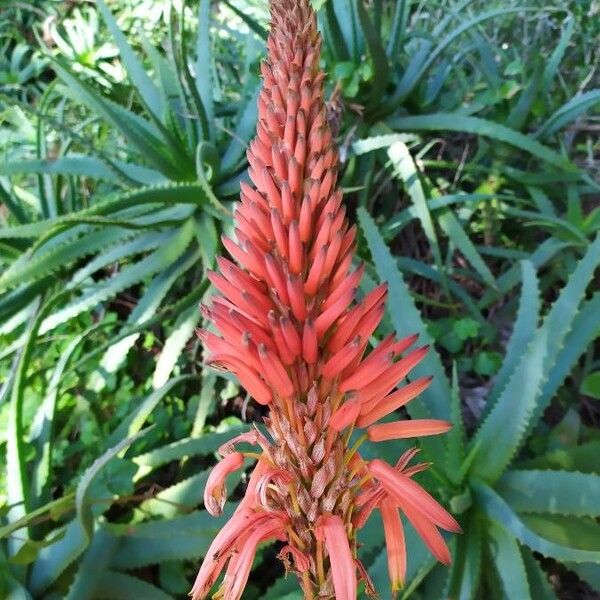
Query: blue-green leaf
[{"x": 554, "y": 492}]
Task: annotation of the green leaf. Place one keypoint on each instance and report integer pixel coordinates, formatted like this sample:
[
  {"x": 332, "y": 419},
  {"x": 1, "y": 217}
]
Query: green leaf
[
  {"x": 92, "y": 570},
  {"x": 477, "y": 126},
  {"x": 498, "y": 510},
  {"x": 466, "y": 568},
  {"x": 40, "y": 264},
  {"x": 582, "y": 458},
  {"x": 181, "y": 497},
  {"x": 503, "y": 430},
  {"x": 154, "y": 542},
  {"x": 522, "y": 334},
  {"x": 589, "y": 572},
  {"x": 563, "y": 314},
  {"x": 574, "y": 532},
  {"x": 141, "y": 134},
  {"x": 133, "y": 422},
  {"x": 590, "y": 386},
  {"x": 554, "y": 492},
  {"x": 538, "y": 580},
  {"x": 174, "y": 345},
  {"x": 568, "y": 113},
  {"x": 207, "y": 443},
  {"x": 41, "y": 431},
  {"x": 455, "y": 438},
  {"x": 405, "y": 168},
  {"x": 335, "y": 36},
  {"x": 146, "y": 307},
  {"x": 131, "y": 274},
  {"x": 427, "y": 54},
  {"x": 509, "y": 564},
  {"x": 85, "y": 515},
  {"x": 244, "y": 130},
  {"x": 55, "y": 558},
  {"x": 204, "y": 62},
  {"x": 454, "y": 230},
  {"x": 148, "y": 93},
  {"x": 407, "y": 320},
  {"x": 557, "y": 55},
  {"x": 120, "y": 586},
  {"x": 377, "y": 52}
]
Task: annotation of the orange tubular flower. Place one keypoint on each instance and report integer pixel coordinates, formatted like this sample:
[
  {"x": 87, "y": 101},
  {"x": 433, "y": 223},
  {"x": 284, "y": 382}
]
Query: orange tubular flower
[{"x": 294, "y": 333}]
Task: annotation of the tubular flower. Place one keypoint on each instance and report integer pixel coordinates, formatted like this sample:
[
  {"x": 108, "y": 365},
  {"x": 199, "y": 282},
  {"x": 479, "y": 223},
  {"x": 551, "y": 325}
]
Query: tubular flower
[{"x": 293, "y": 330}]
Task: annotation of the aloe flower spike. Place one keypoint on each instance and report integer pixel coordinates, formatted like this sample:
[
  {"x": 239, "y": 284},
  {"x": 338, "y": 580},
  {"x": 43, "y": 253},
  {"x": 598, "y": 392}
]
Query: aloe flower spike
[{"x": 292, "y": 329}]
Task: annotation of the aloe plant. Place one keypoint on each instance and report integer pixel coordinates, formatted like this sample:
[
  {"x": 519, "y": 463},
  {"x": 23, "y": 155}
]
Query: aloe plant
[{"x": 507, "y": 511}]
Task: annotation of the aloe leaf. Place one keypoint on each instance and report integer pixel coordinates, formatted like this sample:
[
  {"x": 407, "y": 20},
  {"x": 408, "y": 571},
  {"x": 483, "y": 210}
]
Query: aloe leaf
[
  {"x": 180, "y": 538},
  {"x": 583, "y": 458},
  {"x": 182, "y": 497},
  {"x": 504, "y": 428},
  {"x": 92, "y": 569},
  {"x": 133, "y": 422},
  {"x": 204, "y": 444},
  {"x": 174, "y": 345},
  {"x": 557, "y": 54},
  {"x": 559, "y": 321},
  {"x": 429, "y": 54},
  {"x": 499, "y": 511},
  {"x": 147, "y": 90},
  {"x": 456, "y": 437},
  {"x": 551, "y": 492},
  {"x": 120, "y": 586},
  {"x": 520, "y": 112},
  {"x": 243, "y": 132},
  {"x": 83, "y": 166},
  {"x": 41, "y": 432},
  {"x": 585, "y": 329},
  {"x": 568, "y": 113},
  {"x": 538, "y": 579},
  {"x": 407, "y": 320},
  {"x": 127, "y": 249},
  {"x": 17, "y": 478},
  {"x": 170, "y": 194},
  {"x": 405, "y": 168},
  {"x": 204, "y": 84},
  {"x": 464, "y": 583},
  {"x": 543, "y": 254},
  {"x": 455, "y": 232},
  {"x": 155, "y": 262},
  {"x": 508, "y": 561},
  {"x": 193, "y": 297},
  {"x": 523, "y": 331},
  {"x": 349, "y": 26},
  {"x": 399, "y": 22},
  {"x": 52, "y": 560},
  {"x": 335, "y": 37},
  {"x": 146, "y": 307},
  {"x": 377, "y": 52},
  {"x": 33, "y": 268},
  {"x": 589, "y": 572},
  {"x": 253, "y": 24},
  {"x": 85, "y": 516},
  {"x": 477, "y": 126},
  {"x": 139, "y": 132}
]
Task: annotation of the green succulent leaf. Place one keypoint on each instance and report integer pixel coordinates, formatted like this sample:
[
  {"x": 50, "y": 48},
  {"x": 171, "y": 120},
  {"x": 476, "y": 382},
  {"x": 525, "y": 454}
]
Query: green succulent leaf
[{"x": 554, "y": 492}]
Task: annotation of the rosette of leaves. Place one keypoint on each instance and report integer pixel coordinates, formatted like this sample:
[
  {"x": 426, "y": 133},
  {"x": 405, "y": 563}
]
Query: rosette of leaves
[{"x": 513, "y": 508}]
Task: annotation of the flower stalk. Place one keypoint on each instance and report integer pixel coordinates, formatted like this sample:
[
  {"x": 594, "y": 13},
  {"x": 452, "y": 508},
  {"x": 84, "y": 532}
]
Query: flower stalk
[{"x": 294, "y": 332}]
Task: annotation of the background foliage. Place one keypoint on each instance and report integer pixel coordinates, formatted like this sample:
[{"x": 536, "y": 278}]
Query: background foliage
[{"x": 468, "y": 133}]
